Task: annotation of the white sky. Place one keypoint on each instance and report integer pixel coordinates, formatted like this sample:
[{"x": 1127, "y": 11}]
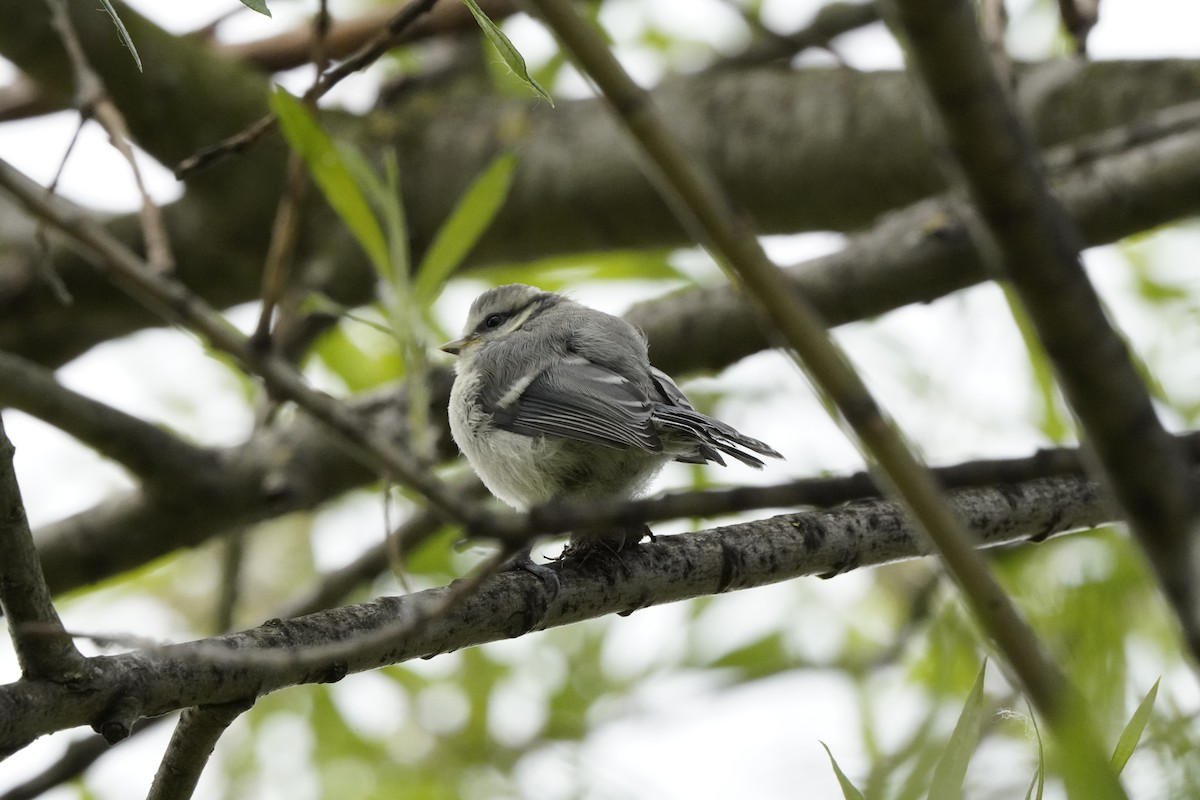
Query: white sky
[{"x": 677, "y": 738}]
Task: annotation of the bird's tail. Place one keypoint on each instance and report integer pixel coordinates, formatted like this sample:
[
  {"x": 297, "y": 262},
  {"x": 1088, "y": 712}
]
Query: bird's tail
[{"x": 702, "y": 438}]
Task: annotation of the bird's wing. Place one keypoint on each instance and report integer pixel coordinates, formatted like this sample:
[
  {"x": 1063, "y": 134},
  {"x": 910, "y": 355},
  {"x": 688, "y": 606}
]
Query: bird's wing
[{"x": 577, "y": 399}]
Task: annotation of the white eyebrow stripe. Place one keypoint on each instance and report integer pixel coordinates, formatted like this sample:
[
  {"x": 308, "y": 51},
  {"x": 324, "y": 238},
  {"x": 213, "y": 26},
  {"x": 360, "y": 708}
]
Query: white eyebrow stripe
[
  {"x": 516, "y": 322},
  {"x": 517, "y": 389}
]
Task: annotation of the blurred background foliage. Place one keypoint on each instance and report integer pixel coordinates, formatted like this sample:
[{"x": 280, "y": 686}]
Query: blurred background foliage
[{"x": 878, "y": 663}]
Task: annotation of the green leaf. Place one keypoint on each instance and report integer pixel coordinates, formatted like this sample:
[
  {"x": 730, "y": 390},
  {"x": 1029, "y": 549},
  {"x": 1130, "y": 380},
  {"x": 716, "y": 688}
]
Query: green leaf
[
  {"x": 951, "y": 769},
  {"x": 1038, "y": 782},
  {"x": 505, "y": 47},
  {"x": 1133, "y": 730},
  {"x": 1056, "y": 422},
  {"x": 462, "y": 229},
  {"x": 331, "y": 175},
  {"x": 849, "y": 792},
  {"x": 123, "y": 33},
  {"x": 257, "y": 5},
  {"x": 559, "y": 273}
]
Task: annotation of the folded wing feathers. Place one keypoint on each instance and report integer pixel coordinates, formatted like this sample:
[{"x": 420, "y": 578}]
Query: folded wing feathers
[
  {"x": 709, "y": 435},
  {"x": 579, "y": 400}
]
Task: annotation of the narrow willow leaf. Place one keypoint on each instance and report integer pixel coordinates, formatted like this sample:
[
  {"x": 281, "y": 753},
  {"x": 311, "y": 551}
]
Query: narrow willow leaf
[
  {"x": 257, "y": 5},
  {"x": 330, "y": 174},
  {"x": 1037, "y": 784},
  {"x": 1133, "y": 730},
  {"x": 505, "y": 47},
  {"x": 951, "y": 769},
  {"x": 123, "y": 33},
  {"x": 1055, "y": 420},
  {"x": 466, "y": 223},
  {"x": 849, "y": 791}
]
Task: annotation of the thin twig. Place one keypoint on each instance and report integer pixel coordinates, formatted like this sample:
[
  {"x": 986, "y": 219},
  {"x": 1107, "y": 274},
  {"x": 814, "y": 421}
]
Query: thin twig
[
  {"x": 831, "y": 21},
  {"x": 293, "y": 48},
  {"x": 44, "y": 649},
  {"x": 277, "y": 270},
  {"x": 362, "y": 58},
  {"x": 233, "y": 556},
  {"x": 1079, "y": 17},
  {"x": 94, "y": 101}
]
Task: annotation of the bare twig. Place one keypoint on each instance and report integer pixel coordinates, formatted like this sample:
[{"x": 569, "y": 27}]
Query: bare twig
[
  {"x": 44, "y": 650},
  {"x": 993, "y": 19},
  {"x": 1039, "y": 253},
  {"x": 1079, "y": 17},
  {"x": 293, "y": 48},
  {"x": 94, "y": 101},
  {"x": 366, "y": 55},
  {"x": 78, "y": 757},
  {"x": 233, "y": 556},
  {"x": 188, "y": 752},
  {"x": 277, "y": 270},
  {"x": 831, "y": 21},
  {"x": 23, "y": 98}
]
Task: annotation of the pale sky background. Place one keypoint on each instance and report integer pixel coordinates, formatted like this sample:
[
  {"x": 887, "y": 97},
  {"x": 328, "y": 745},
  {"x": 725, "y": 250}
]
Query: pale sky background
[{"x": 677, "y": 737}]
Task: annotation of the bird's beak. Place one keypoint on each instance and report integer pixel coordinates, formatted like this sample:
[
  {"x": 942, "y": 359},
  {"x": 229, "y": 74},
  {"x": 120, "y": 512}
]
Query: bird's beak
[{"x": 455, "y": 347}]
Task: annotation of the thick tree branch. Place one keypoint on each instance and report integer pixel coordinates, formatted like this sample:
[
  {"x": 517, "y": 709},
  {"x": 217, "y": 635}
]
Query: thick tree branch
[
  {"x": 293, "y": 466},
  {"x": 924, "y": 252},
  {"x": 1040, "y": 256},
  {"x": 673, "y": 568},
  {"x": 44, "y": 650},
  {"x": 742, "y": 124},
  {"x": 157, "y": 457}
]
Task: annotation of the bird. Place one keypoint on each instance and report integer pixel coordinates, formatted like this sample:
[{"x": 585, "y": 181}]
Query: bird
[{"x": 555, "y": 400}]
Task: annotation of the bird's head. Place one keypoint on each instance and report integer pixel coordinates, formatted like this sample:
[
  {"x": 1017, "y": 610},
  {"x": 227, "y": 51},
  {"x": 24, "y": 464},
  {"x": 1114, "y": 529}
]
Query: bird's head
[{"x": 499, "y": 312}]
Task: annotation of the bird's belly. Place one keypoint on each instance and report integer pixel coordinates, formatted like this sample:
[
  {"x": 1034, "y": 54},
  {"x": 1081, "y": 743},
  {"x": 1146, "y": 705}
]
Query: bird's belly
[{"x": 524, "y": 470}]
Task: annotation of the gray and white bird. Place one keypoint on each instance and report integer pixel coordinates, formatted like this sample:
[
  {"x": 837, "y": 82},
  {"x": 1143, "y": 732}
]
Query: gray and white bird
[{"x": 555, "y": 400}]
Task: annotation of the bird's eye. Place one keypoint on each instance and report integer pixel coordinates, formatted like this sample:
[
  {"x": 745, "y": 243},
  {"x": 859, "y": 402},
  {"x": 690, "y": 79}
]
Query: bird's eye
[{"x": 493, "y": 321}]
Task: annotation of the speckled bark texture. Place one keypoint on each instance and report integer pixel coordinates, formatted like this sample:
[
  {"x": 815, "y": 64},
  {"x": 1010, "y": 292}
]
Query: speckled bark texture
[{"x": 328, "y": 645}]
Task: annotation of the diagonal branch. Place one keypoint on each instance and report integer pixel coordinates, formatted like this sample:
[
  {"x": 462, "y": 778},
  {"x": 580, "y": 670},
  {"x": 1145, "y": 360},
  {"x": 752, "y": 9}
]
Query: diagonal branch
[
  {"x": 1039, "y": 254},
  {"x": 368, "y": 53},
  {"x": 236, "y": 666},
  {"x": 925, "y": 251},
  {"x": 157, "y": 457},
  {"x": 293, "y": 48},
  {"x": 703, "y": 209},
  {"x": 192, "y": 743},
  {"x": 174, "y": 302},
  {"x": 44, "y": 650},
  {"x": 94, "y": 101}
]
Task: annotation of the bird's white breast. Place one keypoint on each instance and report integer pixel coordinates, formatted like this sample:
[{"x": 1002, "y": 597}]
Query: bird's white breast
[{"x": 512, "y": 466}]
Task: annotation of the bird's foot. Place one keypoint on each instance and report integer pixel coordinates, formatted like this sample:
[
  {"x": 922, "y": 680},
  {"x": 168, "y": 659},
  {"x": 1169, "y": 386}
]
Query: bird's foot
[{"x": 547, "y": 575}]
